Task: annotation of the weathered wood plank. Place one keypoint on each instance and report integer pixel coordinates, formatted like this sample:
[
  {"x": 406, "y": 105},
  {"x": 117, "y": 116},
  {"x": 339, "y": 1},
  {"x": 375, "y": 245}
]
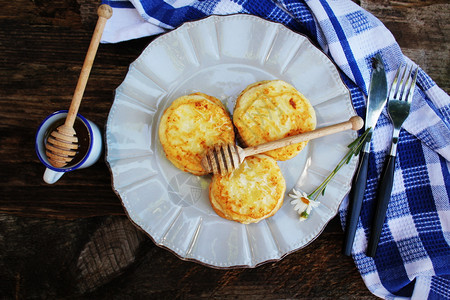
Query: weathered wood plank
[{"x": 110, "y": 258}]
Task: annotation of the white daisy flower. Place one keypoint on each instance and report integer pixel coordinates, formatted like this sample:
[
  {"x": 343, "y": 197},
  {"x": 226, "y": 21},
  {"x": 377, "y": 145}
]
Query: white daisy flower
[{"x": 302, "y": 204}]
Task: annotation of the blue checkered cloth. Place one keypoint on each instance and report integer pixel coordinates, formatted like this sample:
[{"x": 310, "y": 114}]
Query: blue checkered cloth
[{"x": 413, "y": 257}]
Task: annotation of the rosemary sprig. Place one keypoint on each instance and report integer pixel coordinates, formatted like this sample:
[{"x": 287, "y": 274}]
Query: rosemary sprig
[{"x": 355, "y": 148}]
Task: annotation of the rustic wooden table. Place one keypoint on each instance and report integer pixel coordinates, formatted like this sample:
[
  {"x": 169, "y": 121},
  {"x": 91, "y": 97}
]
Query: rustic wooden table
[{"x": 72, "y": 239}]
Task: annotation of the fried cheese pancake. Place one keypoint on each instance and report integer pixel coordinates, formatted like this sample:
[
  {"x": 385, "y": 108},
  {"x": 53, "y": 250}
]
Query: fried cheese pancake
[
  {"x": 190, "y": 126},
  {"x": 270, "y": 110},
  {"x": 251, "y": 193}
]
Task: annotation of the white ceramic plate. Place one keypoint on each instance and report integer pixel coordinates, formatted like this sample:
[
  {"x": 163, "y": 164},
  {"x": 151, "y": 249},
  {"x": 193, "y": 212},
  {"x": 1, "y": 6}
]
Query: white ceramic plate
[{"x": 220, "y": 56}]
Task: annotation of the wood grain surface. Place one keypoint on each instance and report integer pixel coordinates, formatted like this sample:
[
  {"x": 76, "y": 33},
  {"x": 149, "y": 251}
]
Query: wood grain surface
[{"x": 72, "y": 239}]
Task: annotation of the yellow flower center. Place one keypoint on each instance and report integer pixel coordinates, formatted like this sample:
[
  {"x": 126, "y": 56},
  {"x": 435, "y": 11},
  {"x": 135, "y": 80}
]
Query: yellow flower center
[{"x": 304, "y": 200}]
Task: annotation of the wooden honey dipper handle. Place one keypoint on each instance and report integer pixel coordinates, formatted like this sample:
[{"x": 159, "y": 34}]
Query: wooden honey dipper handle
[
  {"x": 222, "y": 159},
  {"x": 354, "y": 123},
  {"x": 104, "y": 13}
]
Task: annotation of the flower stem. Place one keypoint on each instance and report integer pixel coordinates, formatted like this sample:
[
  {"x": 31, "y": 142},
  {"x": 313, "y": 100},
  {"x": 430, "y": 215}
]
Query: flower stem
[{"x": 355, "y": 148}]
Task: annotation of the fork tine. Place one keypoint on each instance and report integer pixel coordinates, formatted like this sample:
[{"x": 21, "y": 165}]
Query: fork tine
[
  {"x": 394, "y": 85},
  {"x": 402, "y": 84},
  {"x": 404, "y": 88},
  {"x": 413, "y": 86}
]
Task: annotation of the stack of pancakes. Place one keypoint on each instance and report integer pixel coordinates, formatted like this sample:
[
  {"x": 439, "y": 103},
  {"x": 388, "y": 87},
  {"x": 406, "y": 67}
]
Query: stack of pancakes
[{"x": 265, "y": 111}]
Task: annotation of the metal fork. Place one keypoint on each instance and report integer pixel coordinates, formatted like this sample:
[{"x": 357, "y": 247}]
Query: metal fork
[{"x": 399, "y": 103}]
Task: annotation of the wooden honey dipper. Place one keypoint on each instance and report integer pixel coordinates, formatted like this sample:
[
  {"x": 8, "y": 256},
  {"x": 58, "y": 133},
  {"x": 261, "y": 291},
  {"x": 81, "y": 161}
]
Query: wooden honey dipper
[
  {"x": 62, "y": 144},
  {"x": 222, "y": 159}
]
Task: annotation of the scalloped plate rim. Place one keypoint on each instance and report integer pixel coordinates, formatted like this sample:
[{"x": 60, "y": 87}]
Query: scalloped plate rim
[{"x": 146, "y": 51}]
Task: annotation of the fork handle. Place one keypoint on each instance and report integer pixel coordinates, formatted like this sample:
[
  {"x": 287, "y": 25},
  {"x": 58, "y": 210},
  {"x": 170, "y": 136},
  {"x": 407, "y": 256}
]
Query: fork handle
[
  {"x": 383, "y": 197},
  {"x": 356, "y": 199}
]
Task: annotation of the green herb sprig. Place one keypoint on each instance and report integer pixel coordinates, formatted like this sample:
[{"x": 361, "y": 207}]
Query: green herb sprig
[{"x": 355, "y": 149}]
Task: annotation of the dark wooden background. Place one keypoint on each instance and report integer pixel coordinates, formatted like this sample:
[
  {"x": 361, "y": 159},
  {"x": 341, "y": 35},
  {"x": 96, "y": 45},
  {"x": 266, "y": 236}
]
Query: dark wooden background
[{"x": 72, "y": 239}]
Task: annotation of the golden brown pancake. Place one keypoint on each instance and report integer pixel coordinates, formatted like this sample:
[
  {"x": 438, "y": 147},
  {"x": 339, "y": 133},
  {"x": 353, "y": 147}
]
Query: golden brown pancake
[
  {"x": 270, "y": 110},
  {"x": 251, "y": 193},
  {"x": 190, "y": 126}
]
